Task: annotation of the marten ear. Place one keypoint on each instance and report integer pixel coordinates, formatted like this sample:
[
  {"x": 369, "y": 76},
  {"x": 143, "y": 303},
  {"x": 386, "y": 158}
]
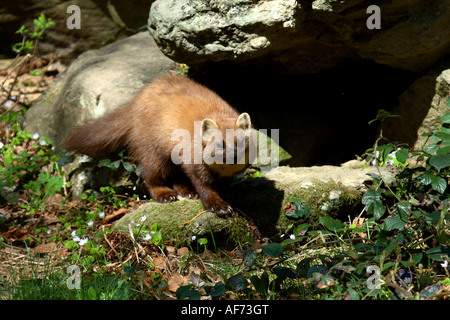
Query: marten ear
[
  {"x": 206, "y": 125},
  {"x": 209, "y": 128},
  {"x": 243, "y": 121}
]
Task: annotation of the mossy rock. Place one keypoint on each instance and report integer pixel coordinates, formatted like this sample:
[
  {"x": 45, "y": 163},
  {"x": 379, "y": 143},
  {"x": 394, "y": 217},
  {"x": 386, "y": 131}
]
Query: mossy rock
[{"x": 259, "y": 202}]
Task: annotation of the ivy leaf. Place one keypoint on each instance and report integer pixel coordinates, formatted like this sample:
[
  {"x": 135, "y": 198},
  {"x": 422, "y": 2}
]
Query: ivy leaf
[
  {"x": 440, "y": 161},
  {"x": 129, "y": 167},
  {"x": 186, "y": 293},
  {"x": 217, "y": 290},
  {"x": 403, "y": 208},
  {"x": 273, "y": 250},
  {"x": 249, "y": 257},
  {"x": 300, "y": 211},
  {"x": 261, "y": 284},
  {"x": 237, "y": 283},
  {"x": 394, "y": 222},
  {"x": 401, "y": 155},
  {"x": 284, "y": 272},
  {"x": 331, "y": 224},
  {"x": 438, "y": 253},
  {"x": 373, "y": 203},
  {"x": 439, "y": 184}
]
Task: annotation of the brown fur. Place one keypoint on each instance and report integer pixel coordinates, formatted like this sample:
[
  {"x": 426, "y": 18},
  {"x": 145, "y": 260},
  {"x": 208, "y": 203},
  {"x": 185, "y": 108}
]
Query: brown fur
[{"x": 145, "y": 124}]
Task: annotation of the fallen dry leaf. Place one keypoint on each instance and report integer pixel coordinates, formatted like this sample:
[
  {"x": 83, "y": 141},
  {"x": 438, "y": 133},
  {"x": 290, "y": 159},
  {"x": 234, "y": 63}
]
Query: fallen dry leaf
[
  {"x": 115, "y": 215},
  {"x": 182, "y": 251},
  {"x": 175, "y": 281},
  {"x": 45, "y": 247},
  {"x": 160, "y": 264}
]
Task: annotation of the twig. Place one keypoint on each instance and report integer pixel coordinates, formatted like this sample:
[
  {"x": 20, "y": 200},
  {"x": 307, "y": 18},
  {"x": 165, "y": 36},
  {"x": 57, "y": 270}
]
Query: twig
[
  {"x": 110, "y": 244},
  {"x": 189, "y": 221},
  {"x": 26, "y": 59}
]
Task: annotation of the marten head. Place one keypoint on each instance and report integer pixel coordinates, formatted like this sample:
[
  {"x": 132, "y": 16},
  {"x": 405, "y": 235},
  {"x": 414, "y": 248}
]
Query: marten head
[{"x": 228, "y": 144}]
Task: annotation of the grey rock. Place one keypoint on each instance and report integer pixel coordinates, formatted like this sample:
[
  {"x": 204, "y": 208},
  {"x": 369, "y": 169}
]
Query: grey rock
[
  {"x": 326, "y": 190},
  {"x": 300, "y": 37},
  {"x": 97, "y": 81},
  {"x": 97, "y": 26},
  {"x": 420, "y": 108}
]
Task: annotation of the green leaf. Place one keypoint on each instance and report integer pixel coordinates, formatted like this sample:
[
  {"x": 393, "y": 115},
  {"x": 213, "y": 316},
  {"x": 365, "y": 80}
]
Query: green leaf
[
  {"x": 273, "y": 250},
  {"x": 373, "y": 203},
  {"x": 353, "y": 294},
  {"x": 284, "y": 272},
  {"x": 401, "y": 155},
  {"x": 439, "y": 184},
  {"x": 186, "y": 293},
  {"x": 404, "y": 209},
  {"x": 249, "y": 257},
  {"x": 300, "y": 211},
  {"x": 216, "y": 290},
  {"x": 129, "y": 167},
  {"x": 261, "y": 284},
  {"x": 237, "y": 283},
  {"x": 439, "y": 253},
  {"x": 440, "y": 161},
  {"x": 331, "y": 224},
  {"x": 394, "y": 222}
]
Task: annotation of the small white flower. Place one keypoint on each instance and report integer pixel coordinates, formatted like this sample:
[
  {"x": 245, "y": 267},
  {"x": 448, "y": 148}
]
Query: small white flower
[
  {"x": 42, "y": 142},
  {"x": 101, "y": 215},
  {"x": 8, "y": 104},
  {"x": 282, "y": 236},
  {"x": 75, "y": 237},
  {"x": 147, "y": 237},
  {"x": 49, "y": 231},
  {"x": 143, "y": 218},
  {"x": 390, "y": 162},
  {"x": 193, "y": 238},
  {"x": 90, "y": 223},
  {"x": 374, "y": 162},
  {"x": 292, "y": 236},
  {"x": 134, "y": 188},
  {"x": 83, "y": 241},
  {"x": 35, "y": 136},
  {"x": 1, "y": 145},
  {"x": 444, "y": 264},
  {"x": 132, "y": 222}
]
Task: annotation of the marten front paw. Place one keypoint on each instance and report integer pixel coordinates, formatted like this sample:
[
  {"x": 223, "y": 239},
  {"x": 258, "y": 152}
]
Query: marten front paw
[{"x": 218, "y": 207}]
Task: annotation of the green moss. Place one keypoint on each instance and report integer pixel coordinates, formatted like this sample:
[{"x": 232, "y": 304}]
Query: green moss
[
  {"x": 263, "y": 204},
  {"x": 323, "y": 199}
]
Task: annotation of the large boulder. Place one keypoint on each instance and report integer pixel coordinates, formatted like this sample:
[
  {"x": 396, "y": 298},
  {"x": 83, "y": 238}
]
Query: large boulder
[
  {"x": 300, "y": 36},
  {"x": 97, "y": 81},
  {"x": 260, "y": 202},
  {"x": 97, "y": 28},
  {"x": 420, "y": 108}
]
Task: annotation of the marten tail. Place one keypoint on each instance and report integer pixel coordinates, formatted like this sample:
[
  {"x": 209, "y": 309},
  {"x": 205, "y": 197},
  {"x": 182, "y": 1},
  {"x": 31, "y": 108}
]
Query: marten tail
[{"x": 102, "y": 136}]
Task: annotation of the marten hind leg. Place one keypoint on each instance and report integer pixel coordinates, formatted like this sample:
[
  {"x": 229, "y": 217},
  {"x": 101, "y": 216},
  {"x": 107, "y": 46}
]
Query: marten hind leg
[
  {"x": 155, "y": 178},
  {"x": 184, "y": 188}
]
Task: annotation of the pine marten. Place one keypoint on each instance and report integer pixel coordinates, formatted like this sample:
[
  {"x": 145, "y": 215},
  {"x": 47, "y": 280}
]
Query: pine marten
[{"x": 145, "y": 126}]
